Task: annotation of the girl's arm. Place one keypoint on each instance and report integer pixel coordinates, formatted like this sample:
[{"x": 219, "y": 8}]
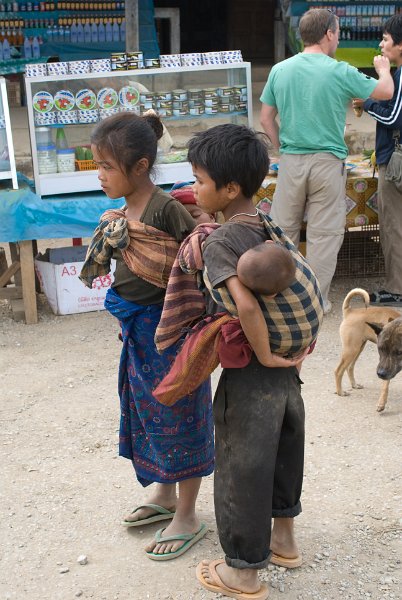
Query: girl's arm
[{"x": 255, "y": 327}]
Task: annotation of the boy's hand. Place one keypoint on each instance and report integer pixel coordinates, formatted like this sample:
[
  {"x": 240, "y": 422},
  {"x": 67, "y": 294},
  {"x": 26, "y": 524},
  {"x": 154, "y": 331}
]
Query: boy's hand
[{"x": 280, "y": 361}]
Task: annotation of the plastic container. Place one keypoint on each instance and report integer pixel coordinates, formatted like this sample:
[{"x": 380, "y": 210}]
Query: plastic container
[
  {"x": 61, "y": 140},
  {"x": 43, "y": 136},
  {"x": 47, "y": 159},
  {"x": 66, "y": 160},
  {"x": 27, "y": 48}
]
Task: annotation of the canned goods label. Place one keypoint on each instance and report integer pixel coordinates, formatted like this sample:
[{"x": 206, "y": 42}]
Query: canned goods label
[
  {"x": 194, "y": 93},
  {"x": 166, "y": 104},
  {"x": 210, "y": 93},
  {"x": 107, "y": 97},
  {"x": 136, "y": 55},
  {"x": 238, "y": 90},
  {"x": 165, "y": 112},
  {"x": 118, "y": 57},
  {"x": 211, "y": 110},
  {"x": 225, "y": 91},
  {"x": 180, "y": 112},
  {"x": 147, "y": 105},
  {"x": 152, "y": 63},
  {"x": 149, "y": 96},
  {"x": 179, "y": 95},
  {"x": 163, "y": 96},
  {"x": 196, "y": 110},
  {"x": 180, "y": 104},
  {"x": 118, "y": 66},
  {"x": 195, "y": 103},
  {"x": 133, "y": 65},
  {"x": 85, "y": 99},
  {"x": 226, "y": 100},
  {"x": 225, "y": 108},
  {"x": 64, "y": 100},
  {"x": 211, "y": 102}
]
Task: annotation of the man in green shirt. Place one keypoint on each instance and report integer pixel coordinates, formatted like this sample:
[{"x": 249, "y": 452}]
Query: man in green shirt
[{"x": 310, "y": 93}]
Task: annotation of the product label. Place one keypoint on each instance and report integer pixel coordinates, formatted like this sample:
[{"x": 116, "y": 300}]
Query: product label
[
  {"x": 43, "y": 102},
  {"x": 129, "y": 96},
  {"x": 85, "y": 99},
  {"x": 107, "y": 98},
  {"x": 64, "y": 100}
]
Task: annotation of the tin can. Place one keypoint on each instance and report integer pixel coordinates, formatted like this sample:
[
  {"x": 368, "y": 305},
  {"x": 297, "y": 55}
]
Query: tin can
[
  {"x": 166, "y": 105},
  {"x": 225, "y": 91},
  {"x": 163, "y": 96},
  {"x": 211, "y": 102},
  {"x": 180, "y": 112},
  {"x": 179, "y": 94},
  {"x": 133, "y": 65},
  {"x": 147, "y": 97},
  {"x": 211, "y": 110},
  {"x": 135, "y": 56},
  {"x": 152, "y": 63},
  {"x": 210, "y": 93},
  {"x": 194, "y": 94},
  {"x": 118, "y": 57},
  {"x": 240, "y": 106},
  {"x": 165, "y": 112},
  {"x": 181, "y": 104},
  {"x": 196, "y": 110},
  {"x": 224, "y": 108},
  {"x": 195, "y": 103},
  {"x": 239, "y": 90}
]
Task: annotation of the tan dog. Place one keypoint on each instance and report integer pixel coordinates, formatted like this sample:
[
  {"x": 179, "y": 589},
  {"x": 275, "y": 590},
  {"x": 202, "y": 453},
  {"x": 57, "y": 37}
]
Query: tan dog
[{"x": 356, "y": 329}]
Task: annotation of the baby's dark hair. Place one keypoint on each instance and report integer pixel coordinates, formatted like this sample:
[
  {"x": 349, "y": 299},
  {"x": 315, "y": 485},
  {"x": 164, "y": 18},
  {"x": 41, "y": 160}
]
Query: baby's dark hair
[
  {"x": 231, "y": 153},
  {"x": 127, "y": 138},
  {"x": 268, "y": 268},
  {"x": 393, "y": 26}
]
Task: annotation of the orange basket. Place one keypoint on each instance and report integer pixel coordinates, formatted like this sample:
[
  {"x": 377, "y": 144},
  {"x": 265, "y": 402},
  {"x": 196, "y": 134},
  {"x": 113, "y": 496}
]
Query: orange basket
[{"x": 85, "y": 165}]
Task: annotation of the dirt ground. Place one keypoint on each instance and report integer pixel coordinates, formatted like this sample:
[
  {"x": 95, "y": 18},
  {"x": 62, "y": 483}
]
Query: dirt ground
[{"x": 64, "y": 490}]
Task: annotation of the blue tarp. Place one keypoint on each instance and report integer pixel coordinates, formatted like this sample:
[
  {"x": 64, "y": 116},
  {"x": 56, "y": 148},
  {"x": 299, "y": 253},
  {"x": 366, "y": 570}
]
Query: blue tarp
[{"x": 26, "y": 216}]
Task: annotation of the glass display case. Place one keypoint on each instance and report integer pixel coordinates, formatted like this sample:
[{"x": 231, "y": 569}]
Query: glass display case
[
  {"x": 7, "y": 159},
  {"x": 63, "y": 109}
]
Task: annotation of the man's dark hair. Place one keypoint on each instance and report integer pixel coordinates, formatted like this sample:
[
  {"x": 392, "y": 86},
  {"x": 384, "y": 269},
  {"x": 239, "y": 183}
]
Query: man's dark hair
[
  {"x": 393, "y": 26},
  {"x": 231, "y": 153},
  {"x": 315, "y": 23}
]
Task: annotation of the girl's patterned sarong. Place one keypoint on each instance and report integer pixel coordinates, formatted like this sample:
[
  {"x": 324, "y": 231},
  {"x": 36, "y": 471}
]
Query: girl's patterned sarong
[{"x": 165, "y": 444}]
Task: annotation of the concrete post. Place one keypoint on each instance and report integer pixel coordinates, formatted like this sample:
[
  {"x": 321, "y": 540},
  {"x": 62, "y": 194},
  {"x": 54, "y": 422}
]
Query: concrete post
[{"x": 132, "y": 28}]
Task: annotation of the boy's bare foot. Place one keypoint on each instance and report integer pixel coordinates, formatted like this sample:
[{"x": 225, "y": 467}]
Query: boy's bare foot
[
  {"x": 283, "y": 543},
  {"x": 178, "y": 526},
  {"x": 216, "y": 576}
]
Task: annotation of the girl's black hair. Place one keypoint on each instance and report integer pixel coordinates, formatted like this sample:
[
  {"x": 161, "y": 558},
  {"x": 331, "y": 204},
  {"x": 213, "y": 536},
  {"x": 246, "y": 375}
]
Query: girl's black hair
[
  {"x": 231, "y": 153},
  {"x": 127, "y": 138},
  {"x": 393, "y": 26}
]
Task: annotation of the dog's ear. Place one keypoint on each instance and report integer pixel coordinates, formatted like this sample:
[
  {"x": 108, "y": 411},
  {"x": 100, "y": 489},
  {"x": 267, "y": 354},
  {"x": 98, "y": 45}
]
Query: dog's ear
[
  {"x": 391, "y": 319},
  {"x": 376, "y": 327}
]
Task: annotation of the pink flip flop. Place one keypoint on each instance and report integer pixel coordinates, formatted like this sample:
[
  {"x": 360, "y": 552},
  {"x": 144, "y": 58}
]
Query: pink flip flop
[{"x": 220, "y": 588}]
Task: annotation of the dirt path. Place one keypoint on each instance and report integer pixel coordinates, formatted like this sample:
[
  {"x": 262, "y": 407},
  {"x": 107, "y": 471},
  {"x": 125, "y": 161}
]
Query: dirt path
[{"x": 63, "y": 490}]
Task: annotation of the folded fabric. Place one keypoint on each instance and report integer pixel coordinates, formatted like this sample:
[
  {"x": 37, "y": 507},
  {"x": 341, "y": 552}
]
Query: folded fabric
[{"x": 216, "y": 339}]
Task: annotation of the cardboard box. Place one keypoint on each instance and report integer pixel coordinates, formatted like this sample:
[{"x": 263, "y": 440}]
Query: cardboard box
[{"x": 58, "y": 271}]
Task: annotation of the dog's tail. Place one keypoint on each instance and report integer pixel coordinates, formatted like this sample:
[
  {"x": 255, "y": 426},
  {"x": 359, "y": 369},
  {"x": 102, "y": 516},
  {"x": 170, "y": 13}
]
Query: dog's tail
[{"x": 355, "y": 292}]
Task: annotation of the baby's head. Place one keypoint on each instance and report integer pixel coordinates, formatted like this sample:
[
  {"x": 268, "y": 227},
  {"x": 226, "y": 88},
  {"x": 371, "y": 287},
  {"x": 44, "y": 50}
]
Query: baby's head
[
  {"x": 183, "y": 192},
  {"x": 267, "y": 269}
]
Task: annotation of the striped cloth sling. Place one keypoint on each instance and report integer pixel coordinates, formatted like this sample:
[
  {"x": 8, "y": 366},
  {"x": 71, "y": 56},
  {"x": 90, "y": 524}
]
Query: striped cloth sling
[{"x": 148, "y": 252}]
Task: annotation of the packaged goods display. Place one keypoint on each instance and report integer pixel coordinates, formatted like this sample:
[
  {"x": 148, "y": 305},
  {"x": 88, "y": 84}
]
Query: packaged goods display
[{"x": 67, "y": 105}]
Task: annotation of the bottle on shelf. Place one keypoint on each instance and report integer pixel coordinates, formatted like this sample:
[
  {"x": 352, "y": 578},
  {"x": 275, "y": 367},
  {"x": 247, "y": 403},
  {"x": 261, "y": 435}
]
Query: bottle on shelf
[
  {"x": 35, "y": 48},
  {"x": 61, "y": 139},
  {"x": 1, "y": 52},
  {"x": 109, "y": 31},
  {"x": 80, "y": 32},
  {"x": 87, "y": 32},
  {"x": 67, "y": 32},
  {"x": 27, "y": 49},
  {"x": 94, "y": 33},
  {"x": 115, "y": 31},
  {"x": 6, "y": 50},
  {"x": 123, "y": 30},
  {"x": 101, "y": 31},
  {"x": 73, "y": 33}
]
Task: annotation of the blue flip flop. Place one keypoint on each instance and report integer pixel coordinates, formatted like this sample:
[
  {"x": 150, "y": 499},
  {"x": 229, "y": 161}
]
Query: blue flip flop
[
  {"x": 189, "y": 538},
  {"x": 161, "y": 515}
]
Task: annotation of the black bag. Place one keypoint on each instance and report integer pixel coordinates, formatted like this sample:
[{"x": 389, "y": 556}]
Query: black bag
[{"x": 393, "y": 172}]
